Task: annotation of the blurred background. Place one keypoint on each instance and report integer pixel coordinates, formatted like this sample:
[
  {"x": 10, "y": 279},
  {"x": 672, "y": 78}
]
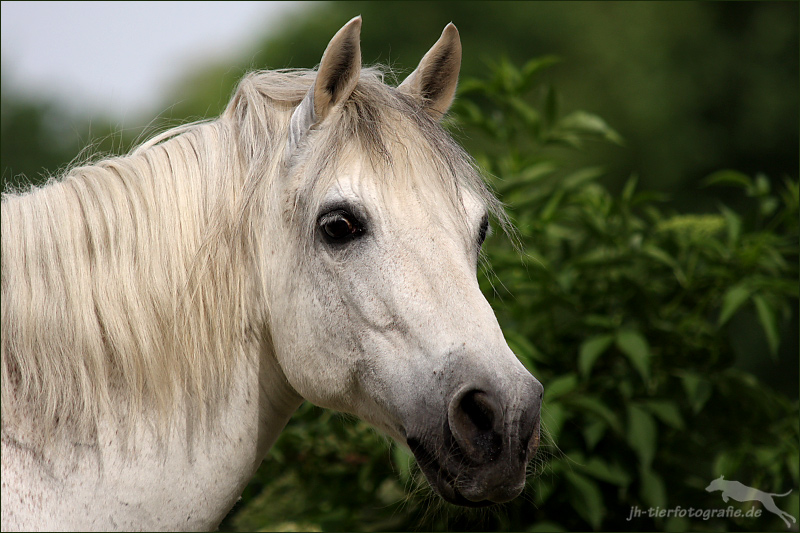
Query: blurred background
[{"x": 690, "y": 87}]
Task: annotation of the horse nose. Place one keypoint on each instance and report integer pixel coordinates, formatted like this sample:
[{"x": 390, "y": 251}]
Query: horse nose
[
  {"x": 477, "y": 418},
  {"x": 476, "y": 421},
  {"x": 497, "y": 432}
]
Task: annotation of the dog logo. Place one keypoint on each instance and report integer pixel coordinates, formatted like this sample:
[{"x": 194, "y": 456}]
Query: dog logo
[{"x": 743, "y": 493}]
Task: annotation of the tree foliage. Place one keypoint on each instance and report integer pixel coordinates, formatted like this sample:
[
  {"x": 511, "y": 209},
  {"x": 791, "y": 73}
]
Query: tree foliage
[{"x": 624, "y": 310}]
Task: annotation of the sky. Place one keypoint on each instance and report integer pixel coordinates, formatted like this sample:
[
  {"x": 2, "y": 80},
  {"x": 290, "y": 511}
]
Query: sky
[{"x": 118, "y": 58}]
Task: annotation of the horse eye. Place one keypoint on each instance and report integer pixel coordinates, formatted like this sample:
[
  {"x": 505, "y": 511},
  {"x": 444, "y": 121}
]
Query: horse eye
[{"x": 339, "y": 225}]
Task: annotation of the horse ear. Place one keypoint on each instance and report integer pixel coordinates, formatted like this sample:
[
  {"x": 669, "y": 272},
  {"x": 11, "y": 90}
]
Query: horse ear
[
  {"x": 337, "y": 76},
  {"x": 435, "y": 79}
]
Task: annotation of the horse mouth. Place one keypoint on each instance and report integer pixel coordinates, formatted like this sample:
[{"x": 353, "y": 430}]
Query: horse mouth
[
  {"x": 468, "y": 482},
  {"x": 443, "y": 481}
]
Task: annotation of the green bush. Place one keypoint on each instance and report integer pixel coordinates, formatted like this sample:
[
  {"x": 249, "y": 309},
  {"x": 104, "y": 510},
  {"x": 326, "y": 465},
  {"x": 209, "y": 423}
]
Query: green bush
[{"x": 623, "y": 310}]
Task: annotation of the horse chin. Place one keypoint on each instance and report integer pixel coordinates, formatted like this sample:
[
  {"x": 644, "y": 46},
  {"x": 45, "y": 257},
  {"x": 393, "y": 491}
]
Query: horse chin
[
  {"x": 450, "y": 494},
  {"x": 445, "y": 484}
]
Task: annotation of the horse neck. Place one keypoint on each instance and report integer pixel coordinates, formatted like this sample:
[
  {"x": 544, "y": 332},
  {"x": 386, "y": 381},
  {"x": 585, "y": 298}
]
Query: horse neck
[
  {"x": 186, "y": 480},
  {"x": 138, "y": 477}
]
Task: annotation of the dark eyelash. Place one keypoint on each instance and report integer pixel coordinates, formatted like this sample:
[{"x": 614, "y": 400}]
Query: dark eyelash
[
  {"x": 339, "y": 226},
  {"x": 484, "y": 230}
]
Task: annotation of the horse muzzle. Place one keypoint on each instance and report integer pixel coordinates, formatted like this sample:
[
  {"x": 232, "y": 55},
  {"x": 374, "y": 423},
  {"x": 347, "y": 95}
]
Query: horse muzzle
[{"x": 486, "y": 441}]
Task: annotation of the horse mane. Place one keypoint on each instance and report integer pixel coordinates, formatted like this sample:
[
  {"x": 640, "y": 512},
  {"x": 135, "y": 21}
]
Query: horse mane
[
  {"x": 124, "y": 283},
  {"x": 97, "y": 271}
]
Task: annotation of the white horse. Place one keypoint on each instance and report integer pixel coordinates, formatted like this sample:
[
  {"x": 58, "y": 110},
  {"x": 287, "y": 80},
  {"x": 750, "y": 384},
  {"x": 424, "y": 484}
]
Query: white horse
[{"x": 165, "y": 313}]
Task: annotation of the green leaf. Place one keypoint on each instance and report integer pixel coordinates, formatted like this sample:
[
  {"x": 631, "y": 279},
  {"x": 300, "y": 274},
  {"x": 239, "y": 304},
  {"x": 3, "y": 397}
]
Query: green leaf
[
  {"x": 553, "y": 417},
  {"x": 636, "y": 349},
  {"x": 561, "y": 138},
  {"x": 528, "y": 114},
  {"x": 542, "y": 488},
  {"x": 552, "y": 205},
  {"x": 403, "y": 459},
  {"x": 733, "y": 223},
  {"x": 471, "y": 85},
  {"x": 594, "y": 406},
  {"x": 642, "y": 434},
  {"x": 534, "y": 66},
  {"x": 590, "y": 123},
  {"x": 652, "y": 490},
  {"x": 511, "y": 78},
  {"x": 602, "y": 321},
  {"x": 579, "y": 177},
  {"x": 630, "y": 188},
  {"x": 538, "y": 170},
  {"x": 761, "y": 186},
  {"x": 609, "y": 472},
  {"x": 667, "y": 411},
  {"x": 593, "y": 432},
  {"x": 732, "y": 300},
  {"x": 654, "y": 252},
  {"x": 590, "y": 350},
  {"x": 560, "y": 386},
  {"x": 585, "y": 498},
  {"x": 727, "y": 177},
  {"x": 527, "y": 178},
  {"x": 769, "y": 323},
  {"x": 727, "y": 463},
  {"x": 523, "y": 348},
  {"x": 768, "y": 205}
]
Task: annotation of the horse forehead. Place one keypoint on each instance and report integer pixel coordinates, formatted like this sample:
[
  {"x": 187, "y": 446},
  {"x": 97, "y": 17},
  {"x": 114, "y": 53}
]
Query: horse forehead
[{"x": 358, "y": 181}]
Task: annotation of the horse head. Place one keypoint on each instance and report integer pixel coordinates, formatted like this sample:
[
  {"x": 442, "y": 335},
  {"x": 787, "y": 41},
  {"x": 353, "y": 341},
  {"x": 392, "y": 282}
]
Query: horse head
[{"x": 371, "y": 243}]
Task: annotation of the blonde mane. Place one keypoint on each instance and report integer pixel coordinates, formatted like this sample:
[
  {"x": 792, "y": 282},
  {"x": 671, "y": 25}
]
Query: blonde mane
[{"x": 131, "y": 284}]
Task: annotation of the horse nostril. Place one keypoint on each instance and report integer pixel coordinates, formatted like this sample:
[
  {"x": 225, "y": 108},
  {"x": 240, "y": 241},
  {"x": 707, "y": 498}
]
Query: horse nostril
[
  {"x": 473, "y": 419},
  {"x": 478, "y": 410}
]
